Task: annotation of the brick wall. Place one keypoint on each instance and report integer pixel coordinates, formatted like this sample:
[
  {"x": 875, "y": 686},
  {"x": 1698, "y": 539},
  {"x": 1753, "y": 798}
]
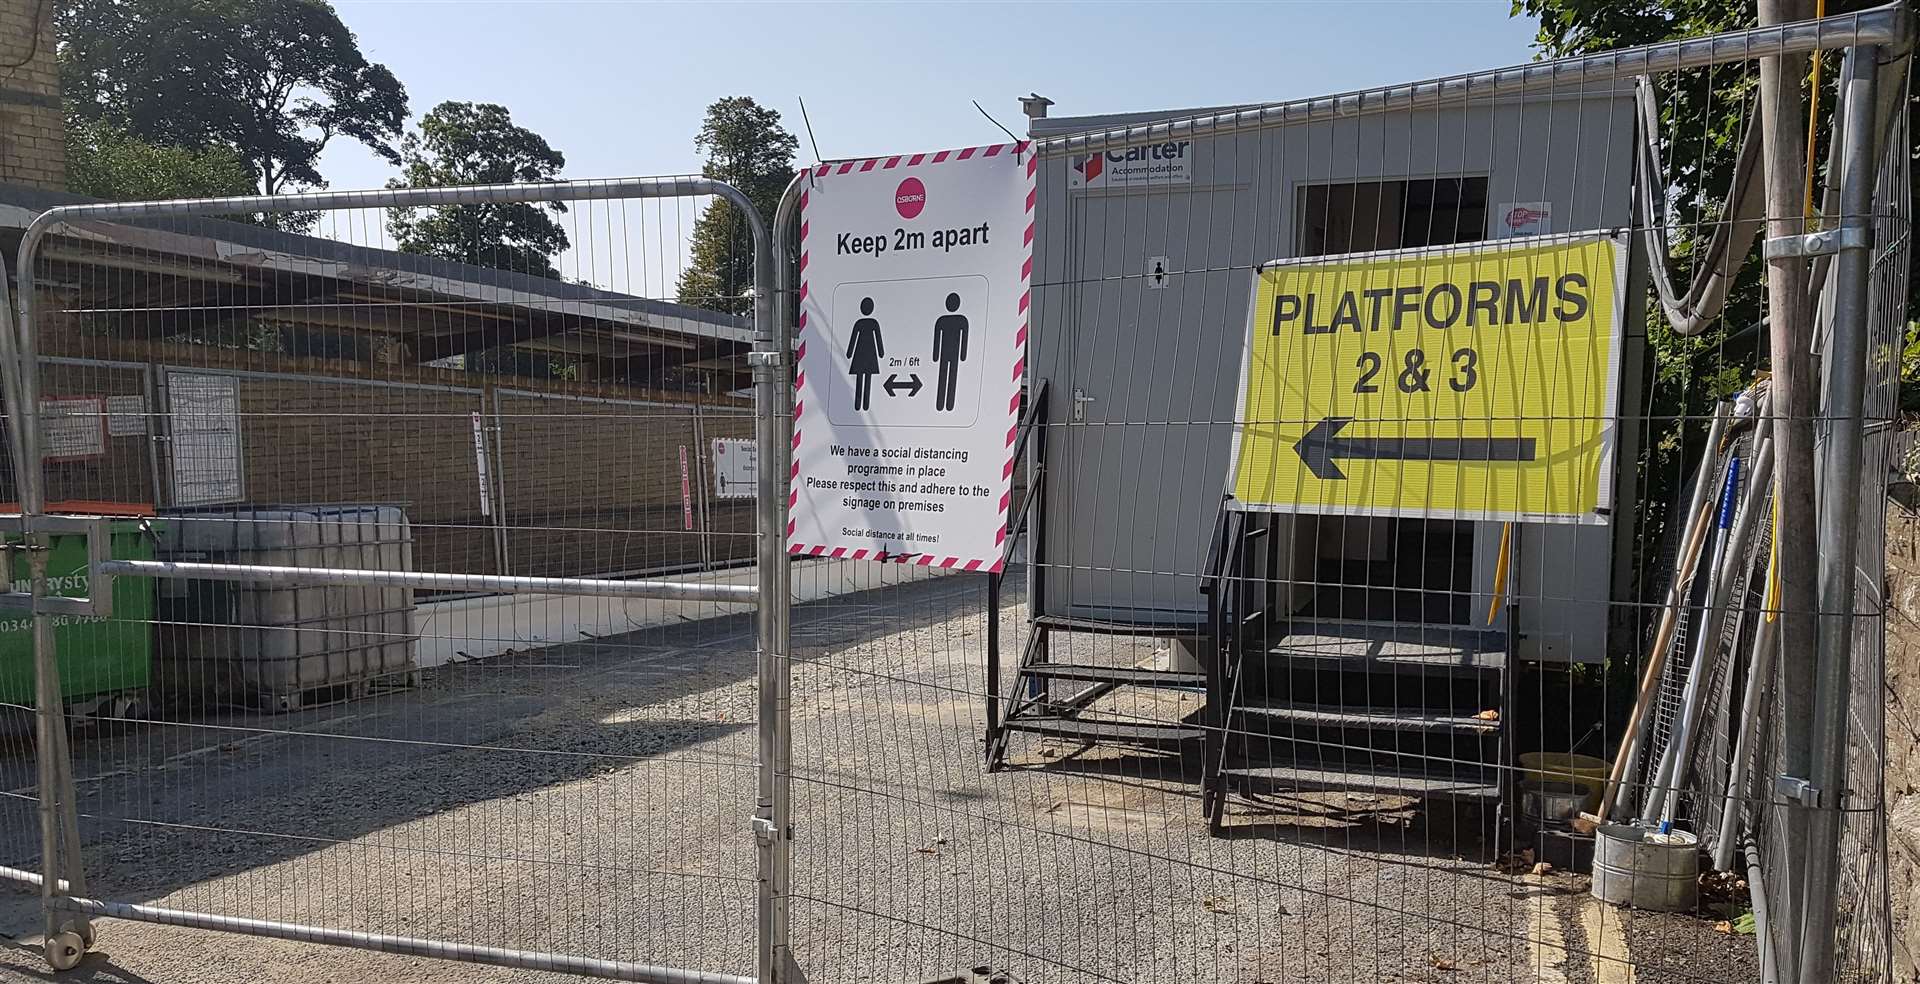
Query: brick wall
[
  {"x": 580, "y": 485},
  {"x": 312, "y": 440},
  {"x": 585, "y": 476},
  {"x": 123, "y": 473},
  {"x": 595, "y": 487},
  {"x": 33, "y": 141}
]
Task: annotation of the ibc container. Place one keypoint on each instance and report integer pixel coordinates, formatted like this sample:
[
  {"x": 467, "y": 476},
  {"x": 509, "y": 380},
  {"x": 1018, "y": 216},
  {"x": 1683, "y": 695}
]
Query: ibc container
[{"x": 286, "y": 646}]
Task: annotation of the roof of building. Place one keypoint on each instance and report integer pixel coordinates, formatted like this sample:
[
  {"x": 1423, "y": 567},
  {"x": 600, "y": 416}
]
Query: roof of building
[{"x": 441, "y": 307}]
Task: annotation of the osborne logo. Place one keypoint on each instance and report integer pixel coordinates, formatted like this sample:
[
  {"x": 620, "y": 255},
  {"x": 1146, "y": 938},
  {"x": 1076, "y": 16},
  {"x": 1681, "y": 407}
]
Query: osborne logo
[
  {"x": 1520, "y": 216},
  {"x": 910, "y": 198}
]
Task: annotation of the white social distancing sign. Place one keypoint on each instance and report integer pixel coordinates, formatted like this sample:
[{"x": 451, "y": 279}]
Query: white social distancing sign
[
  {"x": 911, "y": 346},
  {"x": 736, "y": 467}
]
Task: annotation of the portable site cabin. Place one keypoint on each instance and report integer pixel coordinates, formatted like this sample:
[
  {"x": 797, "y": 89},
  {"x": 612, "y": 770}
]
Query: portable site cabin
[{"x": 1144, "y": 263}]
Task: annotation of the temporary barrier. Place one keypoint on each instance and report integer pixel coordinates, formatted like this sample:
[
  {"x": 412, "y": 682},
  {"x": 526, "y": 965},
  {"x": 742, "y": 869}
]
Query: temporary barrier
[
  {"x": 461, "y": 710},
  {"x": 1342, "y": 452},
  {"x": 1353, "y": 427}
]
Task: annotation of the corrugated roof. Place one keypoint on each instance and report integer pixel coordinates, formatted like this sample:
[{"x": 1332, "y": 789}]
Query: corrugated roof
[{"x": 259, "y": 246}]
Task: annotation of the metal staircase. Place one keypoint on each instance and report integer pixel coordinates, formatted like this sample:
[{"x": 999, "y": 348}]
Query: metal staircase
[
  {"x": 1291, "y": 704},
  {"x": 1383, "y": 708},
  {"x": 1036, "y": 705},
  {"x": 1035, "y": 708}
]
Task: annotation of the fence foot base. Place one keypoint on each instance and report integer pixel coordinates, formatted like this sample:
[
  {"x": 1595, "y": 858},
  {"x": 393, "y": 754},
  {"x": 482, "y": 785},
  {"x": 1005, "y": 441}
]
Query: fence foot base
[
  {"x": 790, "y": 970},
  {"x": 64, "y": 950}
]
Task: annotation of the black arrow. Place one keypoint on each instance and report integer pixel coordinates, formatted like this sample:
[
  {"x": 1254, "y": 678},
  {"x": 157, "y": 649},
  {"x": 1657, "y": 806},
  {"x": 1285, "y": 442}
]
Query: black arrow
[
  {"x": 1319, "y": 446},
  {"x": 912, "y": 386}
]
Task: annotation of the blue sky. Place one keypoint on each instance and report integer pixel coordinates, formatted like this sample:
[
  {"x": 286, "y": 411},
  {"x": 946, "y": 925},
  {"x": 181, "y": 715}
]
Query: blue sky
[{"x": 620, "y": 87}]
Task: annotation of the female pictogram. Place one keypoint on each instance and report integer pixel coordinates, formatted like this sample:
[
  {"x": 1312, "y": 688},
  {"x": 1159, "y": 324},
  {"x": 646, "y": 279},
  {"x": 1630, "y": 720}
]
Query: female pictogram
[{"x": 864, "y": 352}]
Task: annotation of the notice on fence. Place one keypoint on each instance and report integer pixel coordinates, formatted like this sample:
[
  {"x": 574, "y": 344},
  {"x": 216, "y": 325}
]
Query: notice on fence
[
  {"x": 204, "y": 411},
  {"x": 911, "y": 349},
  {"x": 73, "y": 428},
  {"x": 736, "y": 468},
  {"x": 127, "y": 415},
  {"x": 1473, "y": 382}
]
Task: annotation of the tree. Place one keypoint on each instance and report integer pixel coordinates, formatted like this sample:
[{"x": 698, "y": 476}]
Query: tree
[
  {"x": 478, "y": 143},
  {"x": 273, "y": 80},
  {"x": 106, "y": 162},
  {"x": 746, "y": 147},
  {"x": 1711, "y": 105},
  {"x": 1702, "y": 113}
]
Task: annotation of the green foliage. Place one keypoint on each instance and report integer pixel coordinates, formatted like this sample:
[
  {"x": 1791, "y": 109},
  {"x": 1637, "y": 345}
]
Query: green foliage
[
  {"x": 272, "y": 80},
  {"x": 478, "y": 143},
  {"x": 746, "y": 147},
  {"x": 1703, "y": 116},
  {"x": 1571, "y": 26},
  {"x": 1703, "y": 110},
  {"x": 106, "y": 162}
]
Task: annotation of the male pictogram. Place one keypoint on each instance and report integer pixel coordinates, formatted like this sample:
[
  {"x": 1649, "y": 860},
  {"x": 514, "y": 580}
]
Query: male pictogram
[
  {"x": 949, "y": 350},
  {"x": 865, "y": 350}
]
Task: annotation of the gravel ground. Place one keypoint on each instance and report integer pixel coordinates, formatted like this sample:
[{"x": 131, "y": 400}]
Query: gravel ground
[{"x": 592, "y": 799}]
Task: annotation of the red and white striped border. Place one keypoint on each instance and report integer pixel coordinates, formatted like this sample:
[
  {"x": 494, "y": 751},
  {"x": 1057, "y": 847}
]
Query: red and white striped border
[
  {"x": 915, "y": 160},
  {"x": 1019, "y": 364}
]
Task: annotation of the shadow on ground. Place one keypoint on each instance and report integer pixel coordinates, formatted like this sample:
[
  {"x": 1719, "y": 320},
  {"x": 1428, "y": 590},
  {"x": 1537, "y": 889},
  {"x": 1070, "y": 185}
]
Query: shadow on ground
[{"x": 167, "y": 805}]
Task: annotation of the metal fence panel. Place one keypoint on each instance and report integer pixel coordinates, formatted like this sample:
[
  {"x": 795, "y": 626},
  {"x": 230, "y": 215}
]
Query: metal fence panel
[
  {"x": 474, "y": 734},
  {"x": 1864, "y": 930},
  {"x": 431, "y": 628},
  {"x": 1180, "y": 742}
]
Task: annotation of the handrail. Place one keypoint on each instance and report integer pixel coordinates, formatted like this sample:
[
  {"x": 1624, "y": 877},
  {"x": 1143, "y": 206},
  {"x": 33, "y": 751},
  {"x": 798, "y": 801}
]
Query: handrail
[
  {"x": 1036, "y": 414},
  {"x": 1215, "y": 563}
]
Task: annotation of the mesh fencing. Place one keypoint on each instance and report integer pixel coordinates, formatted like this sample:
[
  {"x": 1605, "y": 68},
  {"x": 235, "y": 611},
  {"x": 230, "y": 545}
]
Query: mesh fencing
[
  {"x": 1325, "y": 634},
  {"x": 542, "y": 771},
  {"x": 1224, "y": 744}
]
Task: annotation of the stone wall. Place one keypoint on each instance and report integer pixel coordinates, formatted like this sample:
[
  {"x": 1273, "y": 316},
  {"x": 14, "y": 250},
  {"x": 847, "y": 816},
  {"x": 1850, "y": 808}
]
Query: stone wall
[{"x": 1903, "y": 728}]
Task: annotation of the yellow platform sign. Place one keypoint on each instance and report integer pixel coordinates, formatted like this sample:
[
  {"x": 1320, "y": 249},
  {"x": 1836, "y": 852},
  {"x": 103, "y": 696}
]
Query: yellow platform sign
[{"x": 1462, "y": 382}]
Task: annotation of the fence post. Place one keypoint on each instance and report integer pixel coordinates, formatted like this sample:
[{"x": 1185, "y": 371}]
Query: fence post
[
  {"x": 773, "y": 825},
  {"x": 779, "y": 966},
  {"x": 1846, "y": 364},
  {"x": 61, "y": 873},
  {"x": 1783, "y": 132}
]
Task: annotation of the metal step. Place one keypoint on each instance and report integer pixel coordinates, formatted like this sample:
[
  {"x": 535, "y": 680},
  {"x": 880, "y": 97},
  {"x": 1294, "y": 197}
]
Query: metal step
[
  {"x": 1308, "y": 777},
  {"x": 1391, "y": 648},
  {"x": 1391, "y": 752},
  {"x": 1131, "y": 675},
  {"x": 1099, "y": 626},
  {"x": 1149, "y": 733},
  {"x": 1413, "y": 694},
  {"x": 1296, "y": 716}
]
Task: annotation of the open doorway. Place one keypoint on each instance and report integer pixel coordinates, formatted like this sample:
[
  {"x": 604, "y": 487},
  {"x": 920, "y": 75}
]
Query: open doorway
[{"x": 1381, "y": 569}]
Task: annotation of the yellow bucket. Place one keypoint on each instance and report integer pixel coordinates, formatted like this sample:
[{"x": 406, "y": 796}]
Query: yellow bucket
[{"x": 1582, "y": 770}]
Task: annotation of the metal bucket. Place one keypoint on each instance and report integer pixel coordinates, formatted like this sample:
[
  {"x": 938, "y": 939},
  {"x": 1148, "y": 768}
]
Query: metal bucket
[
  {"x": 1556, "y": 802},
  {"x": 1629, "y": 870}
]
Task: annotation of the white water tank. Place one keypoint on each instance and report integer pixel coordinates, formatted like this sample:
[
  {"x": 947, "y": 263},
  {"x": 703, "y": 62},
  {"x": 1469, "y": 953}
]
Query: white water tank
[{"x": 280, "y": 646}]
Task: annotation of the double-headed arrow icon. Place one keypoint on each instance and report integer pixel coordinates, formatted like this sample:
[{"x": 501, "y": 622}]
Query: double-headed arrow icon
[
  {"x": 912, "y": 386},
  {"x": 1319, "y": 446}
]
